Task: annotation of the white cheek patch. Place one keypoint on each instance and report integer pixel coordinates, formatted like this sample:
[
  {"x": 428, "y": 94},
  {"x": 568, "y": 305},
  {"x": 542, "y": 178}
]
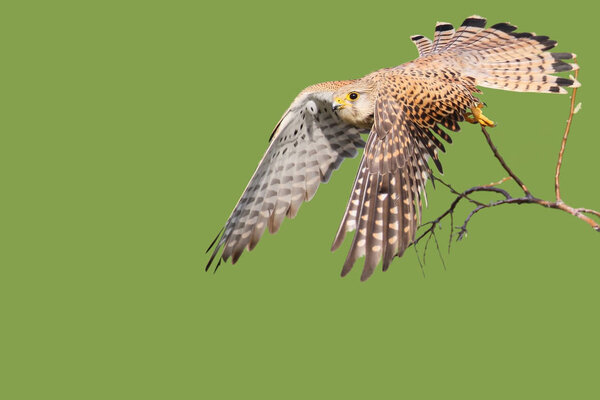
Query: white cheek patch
[{"x": 311, "y": 107}]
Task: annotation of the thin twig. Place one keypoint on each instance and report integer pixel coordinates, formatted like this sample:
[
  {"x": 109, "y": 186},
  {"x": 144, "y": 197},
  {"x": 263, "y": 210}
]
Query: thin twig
[
  {"x": 586, "y": 210},
  {"x": 419, "y": 259},
  {"x": 503, "y": 163},
  {"x": 532, "y": 200},
  {"x": 529, "y": 198},
  {"x": 560, "y": 205},
  {"x": 580, "y": 213},
  {"x": 564, "y": 140},
  {"x": 437, "y": 245},
  {"x": 450, "y": 211},
  {"x": 501, "y": 181},
  {"x": 453, "y": 191}
]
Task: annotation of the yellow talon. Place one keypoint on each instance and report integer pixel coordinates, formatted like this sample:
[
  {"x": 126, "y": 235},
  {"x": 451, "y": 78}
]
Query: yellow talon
[{"x": 476, "y": 116}]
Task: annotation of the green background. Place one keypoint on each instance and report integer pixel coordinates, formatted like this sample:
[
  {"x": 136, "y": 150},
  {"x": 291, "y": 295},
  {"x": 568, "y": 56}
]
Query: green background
[{"x": 129, "y": 130}]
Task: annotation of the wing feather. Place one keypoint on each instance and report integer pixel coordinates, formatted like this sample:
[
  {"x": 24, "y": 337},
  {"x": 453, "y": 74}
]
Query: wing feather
[
  {"x": 386, "y": 201},
  {"x": 414, "y": 100},
  {"x": 308, "y": 144}
]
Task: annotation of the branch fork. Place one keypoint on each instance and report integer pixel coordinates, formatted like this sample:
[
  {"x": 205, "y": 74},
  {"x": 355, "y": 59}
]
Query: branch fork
[{"x": 584, "y": 214}]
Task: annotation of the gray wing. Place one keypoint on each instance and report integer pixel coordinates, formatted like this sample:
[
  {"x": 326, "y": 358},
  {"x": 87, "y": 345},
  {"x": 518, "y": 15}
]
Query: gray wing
[{"x": 307, "y": 145}]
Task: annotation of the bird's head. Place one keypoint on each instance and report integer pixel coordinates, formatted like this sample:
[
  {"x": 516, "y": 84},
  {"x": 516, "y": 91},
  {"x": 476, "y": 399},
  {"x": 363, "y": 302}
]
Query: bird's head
[{"x": 355, "y": 104}]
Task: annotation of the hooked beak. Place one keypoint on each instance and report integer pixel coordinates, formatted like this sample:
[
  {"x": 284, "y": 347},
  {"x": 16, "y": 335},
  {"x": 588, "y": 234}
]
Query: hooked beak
[{"x": 338, "y": 104}]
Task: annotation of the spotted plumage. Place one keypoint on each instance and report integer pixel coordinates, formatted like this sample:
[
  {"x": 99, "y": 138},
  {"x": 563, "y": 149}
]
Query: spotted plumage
[{"x": 405, "y": 111}]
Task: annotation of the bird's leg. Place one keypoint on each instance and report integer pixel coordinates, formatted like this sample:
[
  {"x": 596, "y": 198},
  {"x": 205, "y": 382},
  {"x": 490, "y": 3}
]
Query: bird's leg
[{"x": 476, "y": 116}]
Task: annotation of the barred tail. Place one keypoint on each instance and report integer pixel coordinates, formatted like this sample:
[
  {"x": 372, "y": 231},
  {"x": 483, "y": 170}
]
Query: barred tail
[{"x": 499, "y": 58}]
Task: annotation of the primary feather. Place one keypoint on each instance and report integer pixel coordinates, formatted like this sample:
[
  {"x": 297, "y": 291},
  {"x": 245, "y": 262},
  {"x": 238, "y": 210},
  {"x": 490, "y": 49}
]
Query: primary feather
[{"x": 404, "y": 110}]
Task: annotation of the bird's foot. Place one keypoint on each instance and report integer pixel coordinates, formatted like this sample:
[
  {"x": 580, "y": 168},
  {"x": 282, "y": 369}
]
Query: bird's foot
[{"x": 477, "y": 117}]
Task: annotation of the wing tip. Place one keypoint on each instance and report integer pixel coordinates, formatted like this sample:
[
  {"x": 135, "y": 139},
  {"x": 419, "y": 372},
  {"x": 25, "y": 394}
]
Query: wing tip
[
  {"x": 339, "y": 239},
  {"x": 365, "y": 275},
  {"x": 210, "y": 261},
  {"x": 347, "y": 268}
]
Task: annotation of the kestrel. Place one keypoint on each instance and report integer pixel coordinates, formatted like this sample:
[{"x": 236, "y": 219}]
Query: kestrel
[{"x": 403, "y": 110}]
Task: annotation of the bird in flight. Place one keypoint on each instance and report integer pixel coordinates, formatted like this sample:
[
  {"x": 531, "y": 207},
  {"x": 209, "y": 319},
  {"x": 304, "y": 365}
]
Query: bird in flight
[{"x": 406, "y": 112}]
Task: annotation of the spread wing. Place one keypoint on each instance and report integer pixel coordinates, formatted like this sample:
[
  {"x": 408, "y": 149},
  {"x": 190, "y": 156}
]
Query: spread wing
[
  {"x": 414, "y": 101},
  {"x": 308, "y": 144},
  {"x": 386, "y": 200}
]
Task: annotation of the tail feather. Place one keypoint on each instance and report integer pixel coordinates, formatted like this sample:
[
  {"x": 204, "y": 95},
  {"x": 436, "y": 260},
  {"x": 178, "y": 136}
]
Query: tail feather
[
  {"x": 424, "y": 44},
  {"x": 469, "y": 28},
  {"x": 443, "y": 34},
  {"x": 528, "y": 63},
  {"x": 499, "y": 58}
]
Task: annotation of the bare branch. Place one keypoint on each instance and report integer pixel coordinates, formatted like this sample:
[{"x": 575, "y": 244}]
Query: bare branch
[
  {"x": 585, "y": 210},
  {"x": 564, "y": 140},
  {"x": 506, "y": 197},
  {"x": 501, "y": 181},
  {"x": 503, "y": 163},
  {"x": 459, "y": 196}
]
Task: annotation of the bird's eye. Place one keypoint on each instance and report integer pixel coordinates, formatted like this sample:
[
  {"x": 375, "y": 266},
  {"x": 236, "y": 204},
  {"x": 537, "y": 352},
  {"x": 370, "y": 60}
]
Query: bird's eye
[{"x": 352, "y": 96}]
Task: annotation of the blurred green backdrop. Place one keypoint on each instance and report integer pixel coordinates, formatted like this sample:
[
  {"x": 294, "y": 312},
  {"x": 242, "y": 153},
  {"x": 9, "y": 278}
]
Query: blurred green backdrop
[{"x": 129, "y": 130}]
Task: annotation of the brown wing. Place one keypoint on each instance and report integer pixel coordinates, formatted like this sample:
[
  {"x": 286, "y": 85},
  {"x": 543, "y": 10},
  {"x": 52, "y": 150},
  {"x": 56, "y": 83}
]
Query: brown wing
[
  {"x": 307, "y": 145},
  {"x": 386, "y": 200},
  {"x": 415, "y": 100}
]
